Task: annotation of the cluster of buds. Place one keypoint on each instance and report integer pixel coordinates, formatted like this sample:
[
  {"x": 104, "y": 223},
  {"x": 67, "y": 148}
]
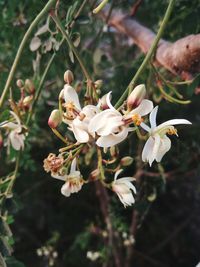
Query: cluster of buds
[
  {"x": 14, "y": 126},
  {"x": 103, "y": 126},
  {"x": 27, "y": 90},
  {"x": 48, "y": 253}
]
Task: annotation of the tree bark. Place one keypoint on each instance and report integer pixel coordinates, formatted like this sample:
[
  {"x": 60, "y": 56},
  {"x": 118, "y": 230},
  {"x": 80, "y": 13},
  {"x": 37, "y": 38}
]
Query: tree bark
[{"x": 180, "y": 58}]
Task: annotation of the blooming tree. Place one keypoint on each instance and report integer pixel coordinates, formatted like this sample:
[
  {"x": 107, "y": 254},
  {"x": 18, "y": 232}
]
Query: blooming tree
[{"x": 92, "y": 126}]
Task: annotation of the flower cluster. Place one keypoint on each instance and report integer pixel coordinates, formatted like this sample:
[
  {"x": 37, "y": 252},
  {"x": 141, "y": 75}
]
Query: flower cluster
[
  {"x": 101, "y": 125},
  {"x": 14, "y": 126}
]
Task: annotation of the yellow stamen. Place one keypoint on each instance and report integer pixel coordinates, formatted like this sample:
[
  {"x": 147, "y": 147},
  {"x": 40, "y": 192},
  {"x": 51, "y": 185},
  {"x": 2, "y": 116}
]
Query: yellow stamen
[
  {"x": 137, "y": 119},
  {"x": 172, "y": 131},
  {"x": 70, "y": 106}
]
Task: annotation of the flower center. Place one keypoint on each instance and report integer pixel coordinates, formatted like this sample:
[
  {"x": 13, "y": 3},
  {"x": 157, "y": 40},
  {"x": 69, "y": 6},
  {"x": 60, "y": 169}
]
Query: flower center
[
  {"x": 71, "y": 110},
  {"x": 172, "y": 131},
  {"x": 137, "y": 119}
]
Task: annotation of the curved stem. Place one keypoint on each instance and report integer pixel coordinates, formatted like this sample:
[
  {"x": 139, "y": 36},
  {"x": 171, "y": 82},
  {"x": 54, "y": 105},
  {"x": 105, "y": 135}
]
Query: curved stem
[
  {"x": 40, "y": 87},
  {"x": 14, "y": 176},
  {"x": 148, "y": 55},
  {"x": 21, "y": 47},
  {"x": 73, "y": 48}
]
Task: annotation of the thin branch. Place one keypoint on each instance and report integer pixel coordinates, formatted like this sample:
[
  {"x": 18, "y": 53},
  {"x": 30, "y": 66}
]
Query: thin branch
[
  {"x": 44, "y": 11},
  {"x": 148, "y": 55}
]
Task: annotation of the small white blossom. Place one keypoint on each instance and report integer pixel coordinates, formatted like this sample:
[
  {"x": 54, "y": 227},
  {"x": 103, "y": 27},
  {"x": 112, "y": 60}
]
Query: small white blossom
[
  {"x": 73, "y": 181},
  {"x": 158, "y": 143},
  {"x": 16, "y": 136},
  {"x": 78, "y": 119},
  {"x": 112, "y": 127},
  {"x": 122, "y": 187},
  {"x": 93, "y": 255}
]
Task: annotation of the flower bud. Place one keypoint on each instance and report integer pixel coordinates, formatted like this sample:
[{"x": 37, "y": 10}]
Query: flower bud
[
  {"x": 68, "y": 77},
  {"x": 55, "y": 118},
  {"x": 98, "y": 84},
  {"x": 20, "y": 83},
  {"x": 136, "y": 96},
  {"x": 113, "y": 152},
  {"x": 27, "y": 100},
  {"x": 103, "y": 101},
  {"x": 126, "y": 161},
  {"x": 29, "y": 86}
]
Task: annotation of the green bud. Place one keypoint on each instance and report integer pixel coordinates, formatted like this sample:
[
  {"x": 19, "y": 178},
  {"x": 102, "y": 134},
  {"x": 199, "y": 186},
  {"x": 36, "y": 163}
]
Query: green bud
[
  {"x": 55, "y": 118},
  {"x": 126, "y": 161}
]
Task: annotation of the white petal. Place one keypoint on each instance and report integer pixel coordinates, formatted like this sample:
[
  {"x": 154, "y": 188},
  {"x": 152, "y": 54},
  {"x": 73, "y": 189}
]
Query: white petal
[
  {"x": 108, "y": 98},
  {"x": 147, "y": 150},
  {"x": 10, "y": 125},
  {"x": 79, "y": 129},
  {"x": 71, "y": 95},
  {"x": 17, "y": 141},
  {"x": 65, "y": 189},
  {"x": 105, "y": 122},
  {"x": 117, "y": 174},
  {"x": 165, "y": 146},
  {"x": 155, "y": 152},
  {"x": 35, "y": 44},
  {"x": 127, "y": 181},
  {"x": 145, "y": 127},
  {"x": 152, "y": 117},
  {"x": 59, "y": 177},
  {"x": 172, "y": 122},
  {"x": 144, "y": 108},
  {"x": 73, "y": 166},
  {"x": 112, "y": 139},
  {"x": 16, "y": 117}
]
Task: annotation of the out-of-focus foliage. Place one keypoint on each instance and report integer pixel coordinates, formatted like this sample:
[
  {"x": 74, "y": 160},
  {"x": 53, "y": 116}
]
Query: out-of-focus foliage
[{"x": 168, "y": 226}]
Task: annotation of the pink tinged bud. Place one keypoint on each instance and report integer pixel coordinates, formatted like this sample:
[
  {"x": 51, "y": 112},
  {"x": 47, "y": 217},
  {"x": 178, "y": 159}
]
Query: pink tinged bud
[
  {"x": 136, "y": 96},
  {"x": 29, "y": 86},
  {"x": 27, "y": 100},
  {"x": 68, "y": 77},
  {"x": 98, "y": 84},
  {"x": 103, "y": 102},
  {"x": 126, "y": 161},
  {"x": 55, "y": 119},
  {"x": 20, "y": 83}
]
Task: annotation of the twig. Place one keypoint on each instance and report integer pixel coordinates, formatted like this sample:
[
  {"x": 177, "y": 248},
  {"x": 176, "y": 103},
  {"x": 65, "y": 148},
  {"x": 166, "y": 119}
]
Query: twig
[
  {"x": 21, "y": 47},
  {"x": 135, "y": 8},
  {"x": 71, "y": 45},
  {"x": 148, "y": 55}
]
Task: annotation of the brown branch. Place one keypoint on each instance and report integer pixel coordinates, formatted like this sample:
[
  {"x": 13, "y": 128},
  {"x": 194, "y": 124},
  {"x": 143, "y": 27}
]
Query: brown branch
[
  {"x": 102, "y": 194},
  {"x": 180, "y": 58}
]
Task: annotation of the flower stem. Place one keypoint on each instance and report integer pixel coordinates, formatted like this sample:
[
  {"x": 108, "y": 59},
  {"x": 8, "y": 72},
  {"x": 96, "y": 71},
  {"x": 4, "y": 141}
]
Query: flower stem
[
  {"x": 14, "y": 176},
  {"x": 21, "y": 47},
  {"x": 148, "y": 55},
  {"x": 71, "y": 45},
  {"x": 100, "y": 164},
  {"x": 56, "y": 132}
]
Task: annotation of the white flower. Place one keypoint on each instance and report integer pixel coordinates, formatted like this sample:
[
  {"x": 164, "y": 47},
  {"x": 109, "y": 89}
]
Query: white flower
[
  {"x": 79, "y": 125},
  {"x": 73, "y": 181},
  {"x": 78, "y": 119},
  {"x": 16, "y": 136},
  {"x": 158, "y": 143},
  {"x": 93, "y": 255},
  {"x": 112, "y": 127},
  {"x": 122, "y": 187}
]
